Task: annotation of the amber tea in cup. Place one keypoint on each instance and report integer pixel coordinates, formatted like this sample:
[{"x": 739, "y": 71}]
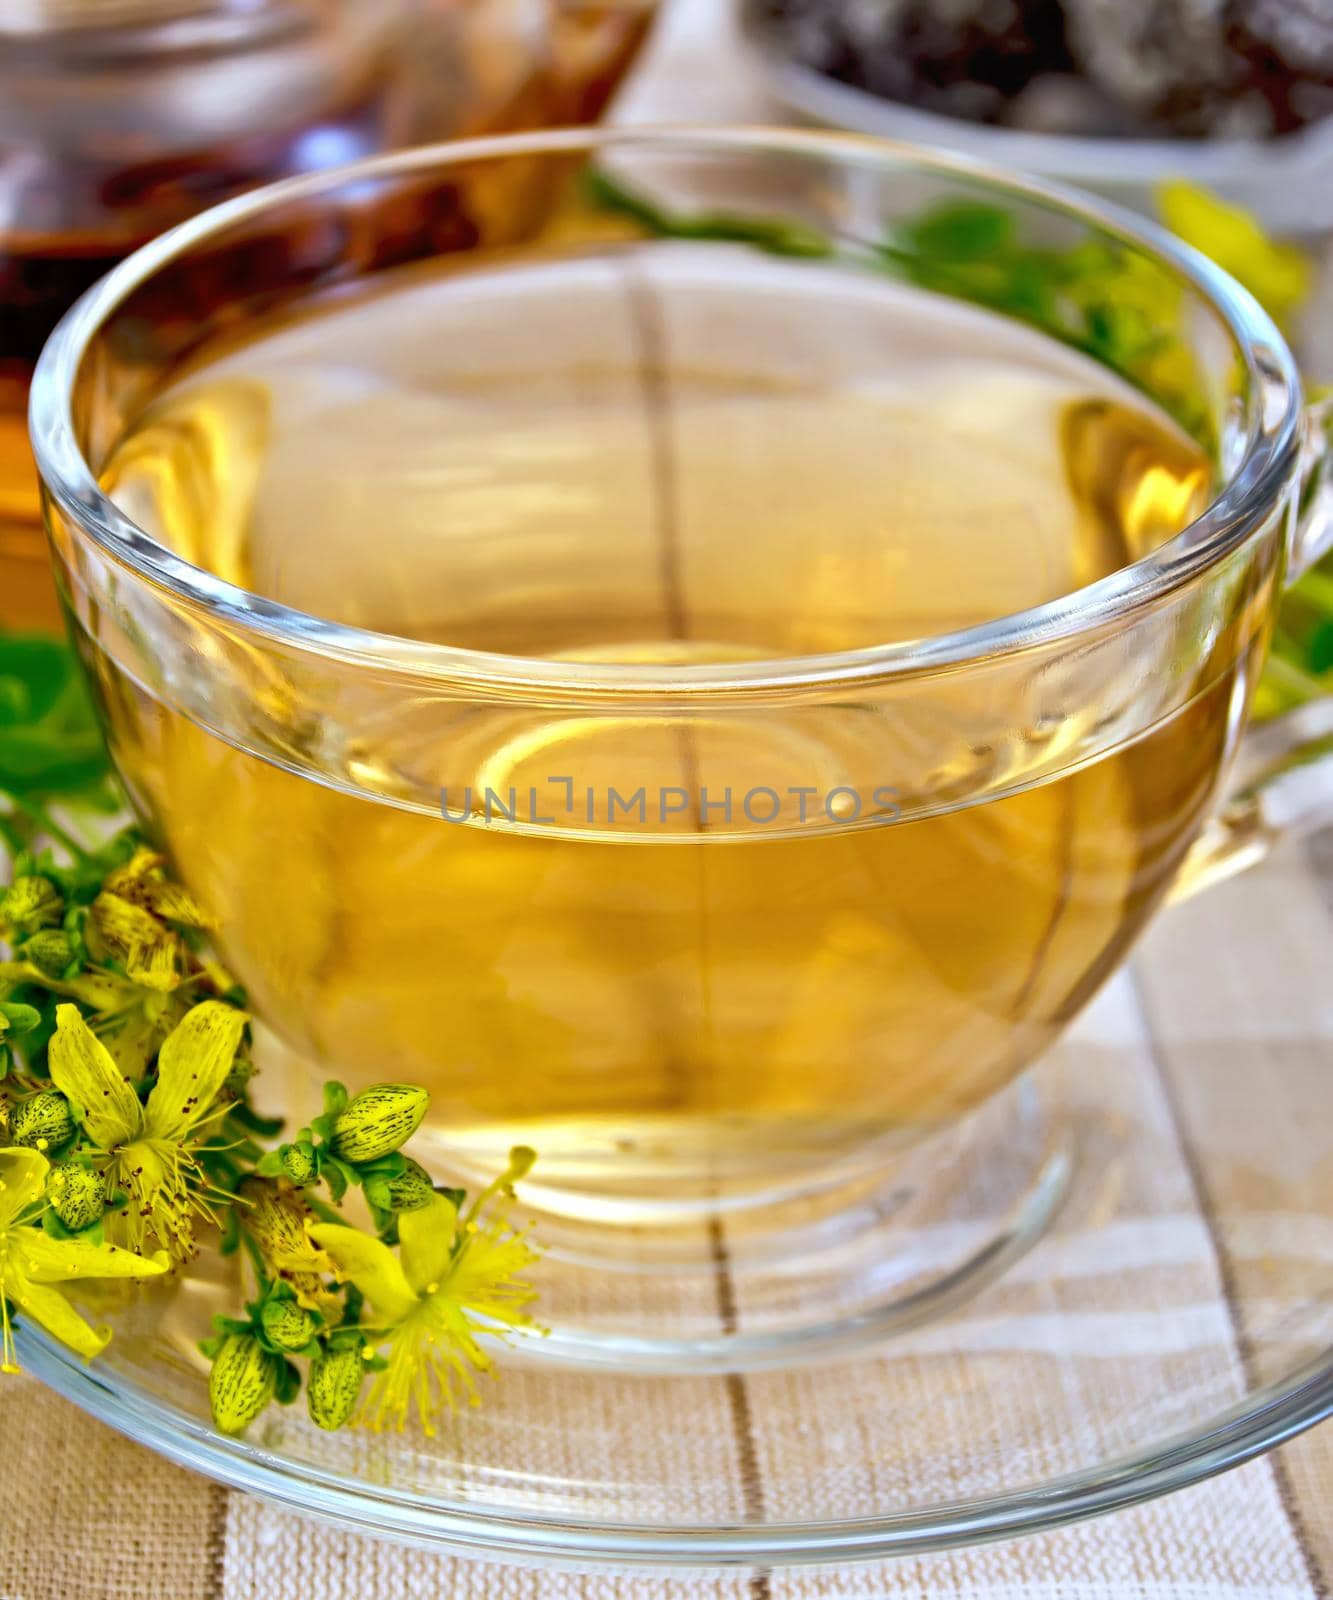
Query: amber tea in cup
[{"x": 601, "y": 461}]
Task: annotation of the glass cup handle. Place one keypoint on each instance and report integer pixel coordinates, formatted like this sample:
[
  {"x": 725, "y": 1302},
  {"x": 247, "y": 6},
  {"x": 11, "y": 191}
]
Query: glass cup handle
[
  {"x": 1286, "y": 766},
  {"x": 1312, "y": 537}
]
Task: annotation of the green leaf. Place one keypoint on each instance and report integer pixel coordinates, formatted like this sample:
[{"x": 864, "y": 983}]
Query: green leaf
[
  {"x": 50, "y": 742},
  {"x": 1321, "y": 647},
  {"x": 230, "y": 1229},
  {"x": 337, "y": 1176},
  {"x": 19, "y": 1018},
  {"x": 36, "y": 1038},
  {"x": 226, "y": 1325},
  {"x": 288, "y": 1384},
  {"x": 224, "y": 1329},
  {"x": 34, "y": 669},
  {"x": 780, "y": 236},
  {"x": 391, "y": 1165},
  {"x": 962, "y": 231},
  {"x": 15, "y": 702}
]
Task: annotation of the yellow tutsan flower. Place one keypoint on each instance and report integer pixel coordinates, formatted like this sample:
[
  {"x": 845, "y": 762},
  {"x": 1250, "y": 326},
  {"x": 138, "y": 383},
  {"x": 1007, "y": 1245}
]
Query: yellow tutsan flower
[
  {"x": 274, "y": 1213},
  {"x": 143, "y": 882},
  {"x": 150, "y": 1146},
  {"x": 153, "y": 955},
  {"x": 31, "y": 1261},
  {"x": 454, "y": 1279}
]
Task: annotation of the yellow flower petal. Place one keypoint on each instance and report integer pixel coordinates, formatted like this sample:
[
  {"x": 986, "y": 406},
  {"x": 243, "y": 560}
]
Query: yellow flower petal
[
  {"x": 99, "y": 990},
  {"x": 1278, "y": 275},
  {"x": 22, "y": 1181},
  {"x": 192, "y": 1066},
  {"x": 425, "y": 1239},
  {"x": 142, "y": 881},
  {"x": 486, "y": 1279},
  {"x": 122, "y": 925},
  {"x": 153, "y": 966},
  {"x": 371, "y": 1266},
  {"x": 168, "y": 900},
  {"x": 152, "y": 953},
  {"x": 50, "y": 1309},
  {"x": 83, "y": 1071},
  {"x": 144, "y": 861},
  {"x": 43, "y": 1259},
  {"x": 275, "y": 1215},
  {"x": 132, "y": 1033}
]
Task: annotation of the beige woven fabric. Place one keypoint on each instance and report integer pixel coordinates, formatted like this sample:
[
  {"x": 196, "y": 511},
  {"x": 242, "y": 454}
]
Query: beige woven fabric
[
  {"x": 89, "y": 1516},
  {"x": 1226, "y": 991}
]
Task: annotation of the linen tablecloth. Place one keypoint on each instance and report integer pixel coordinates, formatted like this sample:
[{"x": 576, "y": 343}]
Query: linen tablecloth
[{"x": 1227, "y": 995}]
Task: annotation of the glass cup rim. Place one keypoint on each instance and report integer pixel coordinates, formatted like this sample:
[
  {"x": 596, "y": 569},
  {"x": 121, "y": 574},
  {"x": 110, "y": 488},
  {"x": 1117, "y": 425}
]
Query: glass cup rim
[{"x": 1252, "y": 487}]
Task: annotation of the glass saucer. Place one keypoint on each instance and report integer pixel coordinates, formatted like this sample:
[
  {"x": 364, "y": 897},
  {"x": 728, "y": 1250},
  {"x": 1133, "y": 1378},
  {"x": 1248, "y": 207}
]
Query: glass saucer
[{"x": 1163, "y": 1325}]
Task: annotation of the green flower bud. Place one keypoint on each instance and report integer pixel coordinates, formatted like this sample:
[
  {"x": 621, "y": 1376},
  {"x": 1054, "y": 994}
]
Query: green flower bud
[
  {"x": 77, "y": 1195},
  {"x": 409, "y": 1191},
  {"x": 32, "y": 902},
  {"x": 43, "y": 1122},
  {"x": 298, "y": 1162},
  {"x": 333, "y": 1385},
  {"x": 378, "y": 1120},
  {"x": 50, "y": 951},
  {"x": 287, "y": 1325},
  {"x": 241, "y": 1383}
]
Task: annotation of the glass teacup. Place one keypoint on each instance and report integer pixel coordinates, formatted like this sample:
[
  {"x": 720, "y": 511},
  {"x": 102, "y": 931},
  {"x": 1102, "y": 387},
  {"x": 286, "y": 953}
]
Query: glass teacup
[{"x": 703, "y": 648}]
